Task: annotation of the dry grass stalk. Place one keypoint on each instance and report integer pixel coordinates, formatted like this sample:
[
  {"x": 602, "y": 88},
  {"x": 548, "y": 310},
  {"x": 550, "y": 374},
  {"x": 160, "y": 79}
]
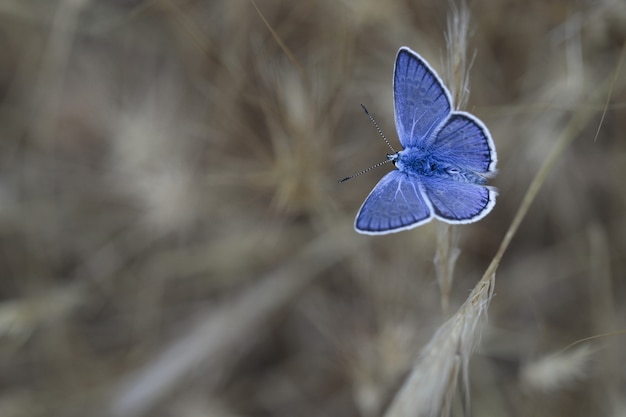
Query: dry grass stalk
[
  {"x": 458, "y": 81},
  {"x": 430, "y": 388},
  {"x": 445, "y": 260},
  {"x": 432, "y": 382}
]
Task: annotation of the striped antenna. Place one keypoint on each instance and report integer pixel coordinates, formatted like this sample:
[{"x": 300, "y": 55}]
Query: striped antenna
[
  {"x": 366, "y": 170},
  {"x": 390, "y": 157},
  {"x": 380, "y": 132}
]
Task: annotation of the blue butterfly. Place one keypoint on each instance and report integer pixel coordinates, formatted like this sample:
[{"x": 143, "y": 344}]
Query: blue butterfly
[{"x": 447, "y": 158}]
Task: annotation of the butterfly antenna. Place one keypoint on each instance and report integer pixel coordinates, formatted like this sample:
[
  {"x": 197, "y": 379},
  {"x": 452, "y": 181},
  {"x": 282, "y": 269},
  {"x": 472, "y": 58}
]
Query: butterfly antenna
[
  {"x": 365, "y": 170},
  {"x": 380, "y": 132}
]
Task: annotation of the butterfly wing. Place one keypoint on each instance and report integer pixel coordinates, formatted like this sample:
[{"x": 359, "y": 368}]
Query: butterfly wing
[
  {"x": 458, "y": 202},
  {"x": 396, "y": 203},
  {"x": 425, "y": 120},
  {"x": 421, "y": 101},
  {"x": 464, "y": 141}
]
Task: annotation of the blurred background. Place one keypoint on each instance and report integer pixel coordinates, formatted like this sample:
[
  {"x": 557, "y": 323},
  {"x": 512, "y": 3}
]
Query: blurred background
[{"x": 174, "y": 241}]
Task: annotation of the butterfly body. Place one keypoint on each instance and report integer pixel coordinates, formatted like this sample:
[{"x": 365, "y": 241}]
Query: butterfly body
[
  {"x": 447, "y": 159},
  {"x": 424, "y": 163}
]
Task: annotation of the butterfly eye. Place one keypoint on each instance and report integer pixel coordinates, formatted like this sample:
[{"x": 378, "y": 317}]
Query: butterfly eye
[{"x": 393, "y": 157}]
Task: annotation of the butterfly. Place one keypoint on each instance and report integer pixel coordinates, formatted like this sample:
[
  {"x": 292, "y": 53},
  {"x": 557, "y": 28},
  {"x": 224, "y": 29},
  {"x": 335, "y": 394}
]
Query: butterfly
[{"x": 447, "y": 158}]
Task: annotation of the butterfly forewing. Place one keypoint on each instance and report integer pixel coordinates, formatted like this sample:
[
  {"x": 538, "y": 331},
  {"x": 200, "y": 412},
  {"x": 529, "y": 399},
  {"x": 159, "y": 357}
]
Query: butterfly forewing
[{"x": 421, "y": 101}]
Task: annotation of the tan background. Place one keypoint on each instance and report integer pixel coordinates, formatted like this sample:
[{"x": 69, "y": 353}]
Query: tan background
[{"x": 173, "y": 240}]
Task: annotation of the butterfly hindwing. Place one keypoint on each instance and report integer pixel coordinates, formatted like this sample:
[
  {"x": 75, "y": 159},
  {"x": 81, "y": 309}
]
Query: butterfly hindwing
[
  {"x": 458, "y": 202},
  {"x": 396, "y": 203},
  {"x": 464, "y": 141}
]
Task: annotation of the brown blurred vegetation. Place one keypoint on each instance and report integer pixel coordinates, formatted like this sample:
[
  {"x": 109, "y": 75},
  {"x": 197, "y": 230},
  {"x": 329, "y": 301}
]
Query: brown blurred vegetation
[{"x": 174, "y": 241}]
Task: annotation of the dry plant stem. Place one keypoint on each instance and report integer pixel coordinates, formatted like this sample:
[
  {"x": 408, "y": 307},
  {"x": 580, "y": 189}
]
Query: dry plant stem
[
  {"x": 456, "y": 73},
  {"x": 430, "y": 388},
  {"x": 579, "y": 120},
  {"x": 445, "y": 259},
  {"x": 457, "y": 70},
  {"x": 195, "y": 34},
  {"x": 229, "y": 327},
  {"x": 433, "y": 378},
  {"x": 279, "y": 41}
]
